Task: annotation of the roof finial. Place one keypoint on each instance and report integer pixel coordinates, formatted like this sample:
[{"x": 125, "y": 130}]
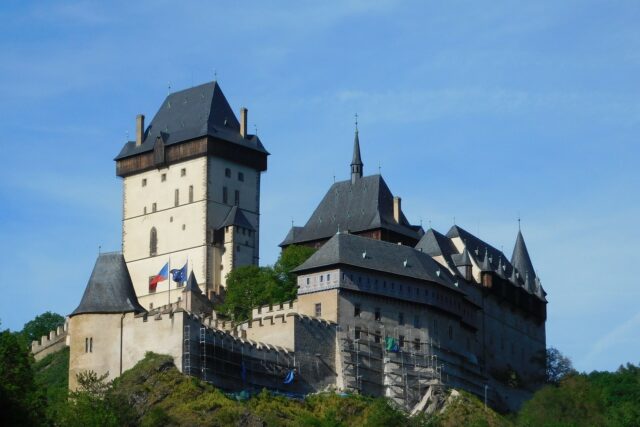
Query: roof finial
[
  {"x": 168, "y": 88},
  {"x": 291, "y": 222},
  {"x": 379, "y": 169},
  {"x": 356, "y": 116},
  {"x": 255, "y": 128},
  {"x": 99, "y": 249},
  {"x": 518, "y": 221},
  {"x": 454, "y": 220},
  {"x": 215, "y": 75}
]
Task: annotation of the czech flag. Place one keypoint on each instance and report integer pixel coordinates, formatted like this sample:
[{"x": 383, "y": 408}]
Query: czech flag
[{"x": 162, "y": 276}]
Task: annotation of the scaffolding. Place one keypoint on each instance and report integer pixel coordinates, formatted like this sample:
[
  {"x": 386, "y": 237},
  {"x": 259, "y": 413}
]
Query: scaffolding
[
  {"x": 403, "y": 376},
  {"x": 232, "y": 363}
]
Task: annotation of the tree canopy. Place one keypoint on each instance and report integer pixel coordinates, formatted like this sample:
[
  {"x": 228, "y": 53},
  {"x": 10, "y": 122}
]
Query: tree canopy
[
  {"x": 41, "y": 325},
  {"x": 252, "y": 286}
]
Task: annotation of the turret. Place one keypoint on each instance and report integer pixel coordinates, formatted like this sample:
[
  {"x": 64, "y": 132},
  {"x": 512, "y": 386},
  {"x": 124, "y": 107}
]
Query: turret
[{"x": 356, "y": 162}]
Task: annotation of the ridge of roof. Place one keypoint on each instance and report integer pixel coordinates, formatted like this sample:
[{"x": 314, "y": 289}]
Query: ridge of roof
[{"x": 109, "y": 289}]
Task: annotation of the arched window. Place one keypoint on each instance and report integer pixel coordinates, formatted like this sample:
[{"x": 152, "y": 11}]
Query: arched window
[{"x": 153, "y": 242}]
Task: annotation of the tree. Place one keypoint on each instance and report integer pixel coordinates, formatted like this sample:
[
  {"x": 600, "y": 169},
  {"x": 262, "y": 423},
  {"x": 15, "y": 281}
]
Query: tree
[
  {"x": 249, "y": 286},
  {"x": 290, "y": 258},
  {"x": 20, "y": 401},
  {"x": 41, "y": 325},
  {"x": 96, "y": 404},
  {"x": 558, "y": 366}
]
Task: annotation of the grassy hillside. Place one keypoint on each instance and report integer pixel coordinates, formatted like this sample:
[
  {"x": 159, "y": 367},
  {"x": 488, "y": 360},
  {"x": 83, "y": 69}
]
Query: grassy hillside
[{"x": 155, "y": 393}]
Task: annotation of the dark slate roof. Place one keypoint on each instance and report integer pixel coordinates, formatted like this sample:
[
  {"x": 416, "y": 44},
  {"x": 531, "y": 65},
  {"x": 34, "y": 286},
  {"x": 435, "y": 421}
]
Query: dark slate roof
[
  {"x": 109, "y": 289},
  {"x": 192, "y": 285},
  {"x": 193, "y": 113},
  {"x": 236, "y": 217},
  {"x": 521, "y": 260},
  {"x": 378, "y": 255},
  {"x": 464, "y": 259},
  {"x": 291, "y": 236},
  {"x": 478, "y": 249},
  {"x": 365, "y": 204},
  {"x": 437, "y": 244}
]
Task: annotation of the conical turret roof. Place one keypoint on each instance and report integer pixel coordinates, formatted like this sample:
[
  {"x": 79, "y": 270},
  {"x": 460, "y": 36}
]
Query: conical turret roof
[
  {"x": 109, "y": 289},
  {"x": 520, "y": 258},
  {"x": 192, "y": 285}
]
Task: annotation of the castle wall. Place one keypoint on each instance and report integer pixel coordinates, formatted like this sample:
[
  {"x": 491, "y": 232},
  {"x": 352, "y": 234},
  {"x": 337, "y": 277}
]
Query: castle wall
[
  {"x": 55, "y": 341},
  {"x": 328, "y": 301}
]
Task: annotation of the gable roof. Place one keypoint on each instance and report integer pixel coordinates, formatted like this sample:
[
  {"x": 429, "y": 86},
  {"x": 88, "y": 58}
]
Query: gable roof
[
  {"x": 378, "y": 255},
  {"x": 109, "y": 289},
  {"x": 365, "y": 204},
  {"x": 192, "y": 113}
]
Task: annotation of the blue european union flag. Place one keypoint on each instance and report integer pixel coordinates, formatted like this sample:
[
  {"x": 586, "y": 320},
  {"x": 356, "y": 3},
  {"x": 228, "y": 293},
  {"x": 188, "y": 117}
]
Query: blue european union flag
[{"x": 179, "y": 276}]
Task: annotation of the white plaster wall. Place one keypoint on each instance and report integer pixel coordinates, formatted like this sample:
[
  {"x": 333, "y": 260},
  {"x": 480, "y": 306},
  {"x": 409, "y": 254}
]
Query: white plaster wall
[{"x": 181, "y": 230}]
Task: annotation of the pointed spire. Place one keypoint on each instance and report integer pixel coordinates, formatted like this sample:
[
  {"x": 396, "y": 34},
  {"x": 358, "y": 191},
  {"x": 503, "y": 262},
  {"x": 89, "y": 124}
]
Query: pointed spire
[
  {"x": 501, "y": 267},
  {"x": 514, "y": 277},
  {"x": 520, "y": 258},
  {"x": 356, "y": 162},
  {"x": 192, "y": 285},
  {"x": 465, "y": 260},
  {"x": 486, "y": 265}
]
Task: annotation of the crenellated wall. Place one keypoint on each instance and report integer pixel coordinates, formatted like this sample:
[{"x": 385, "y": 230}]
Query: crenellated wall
[{"x": 55, "y": 341}]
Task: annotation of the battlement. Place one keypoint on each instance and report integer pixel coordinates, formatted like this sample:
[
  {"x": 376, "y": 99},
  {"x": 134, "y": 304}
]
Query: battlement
[
  {"x": 283, "y": 307},
  {"x": 51, "y": 343}
]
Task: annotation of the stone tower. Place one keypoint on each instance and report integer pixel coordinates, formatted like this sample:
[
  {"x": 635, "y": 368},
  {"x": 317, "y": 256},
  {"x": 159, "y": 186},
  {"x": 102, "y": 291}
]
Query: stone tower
[{"x": 191, "y": 193}]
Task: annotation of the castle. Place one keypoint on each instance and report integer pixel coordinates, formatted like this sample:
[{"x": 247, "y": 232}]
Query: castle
[{"x": 383, "y": 308}]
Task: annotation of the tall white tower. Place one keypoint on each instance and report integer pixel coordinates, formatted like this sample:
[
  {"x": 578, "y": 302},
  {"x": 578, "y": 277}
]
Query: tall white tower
[{"x": 191, "y": 192}]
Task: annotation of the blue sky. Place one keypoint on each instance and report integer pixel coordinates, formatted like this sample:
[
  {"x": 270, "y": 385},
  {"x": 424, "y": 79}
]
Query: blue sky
[{"x": 481, "y": 111}]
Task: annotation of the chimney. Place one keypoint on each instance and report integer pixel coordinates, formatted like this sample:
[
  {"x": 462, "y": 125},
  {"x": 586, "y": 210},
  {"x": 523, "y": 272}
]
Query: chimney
[
  {"x": 243, "y": 122},
  {"x": 139, "y": 129},
  {"x": 397, "y": 208}
]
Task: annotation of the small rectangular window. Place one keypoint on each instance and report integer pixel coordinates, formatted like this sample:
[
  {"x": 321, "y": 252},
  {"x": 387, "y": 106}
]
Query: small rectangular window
[
  {"x": 416, "y": 344},
  {"x": 357, "y": 333},
  {"x": 237, "y": 198},
  {"x": 328, "y": 277},
  {"x": 356, "y": 310},
  {"x": 183, "y": 172},
  {"x": 225, "y": 195},
  {"x": 378, "y": 316},
  {"x": 144, "y": 182},
  {"x": 308, "y": 280},
  {"x": 191, "y": 194},
  {"x": 321, "y": 278},
  {"x": 227, "y": 173},
  {"x": 86, "y": 345},
  {"x": 144, "y": 211},
  {"x": 176, "y": 201},
  {"x": 163, "y": 177},
  {"x": 376, "y": 338},
  {"x": 401, "y": 341},
  {"x": 400, "y": 318},
  {"x": 318, "y": 309},
  {"x": 153, "y": 207},
  {"x": 91, "y": 345},
  {"x": 240, "y": 176}
]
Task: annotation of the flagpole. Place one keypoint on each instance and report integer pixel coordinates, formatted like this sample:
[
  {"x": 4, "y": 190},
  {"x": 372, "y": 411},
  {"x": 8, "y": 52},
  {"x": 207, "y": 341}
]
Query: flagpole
[{"x": 169, "y": 278}]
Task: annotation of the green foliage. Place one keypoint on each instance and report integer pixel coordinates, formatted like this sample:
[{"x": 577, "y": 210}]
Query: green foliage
[
  {"x": 96, "y": 404},
  {"x": 52, "y": 377},
  {"x": 252, "y": 286},
  {"x": 41, "y": 325},
  {"x": 247, "y": 287},
  {"x": 290, "y": 258},
  {"x": 620, "y": 393},
  {"x": 558, "y": 366},
  {"x": 21, "y": 403},
  {"x": 468, "y": 410}
]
